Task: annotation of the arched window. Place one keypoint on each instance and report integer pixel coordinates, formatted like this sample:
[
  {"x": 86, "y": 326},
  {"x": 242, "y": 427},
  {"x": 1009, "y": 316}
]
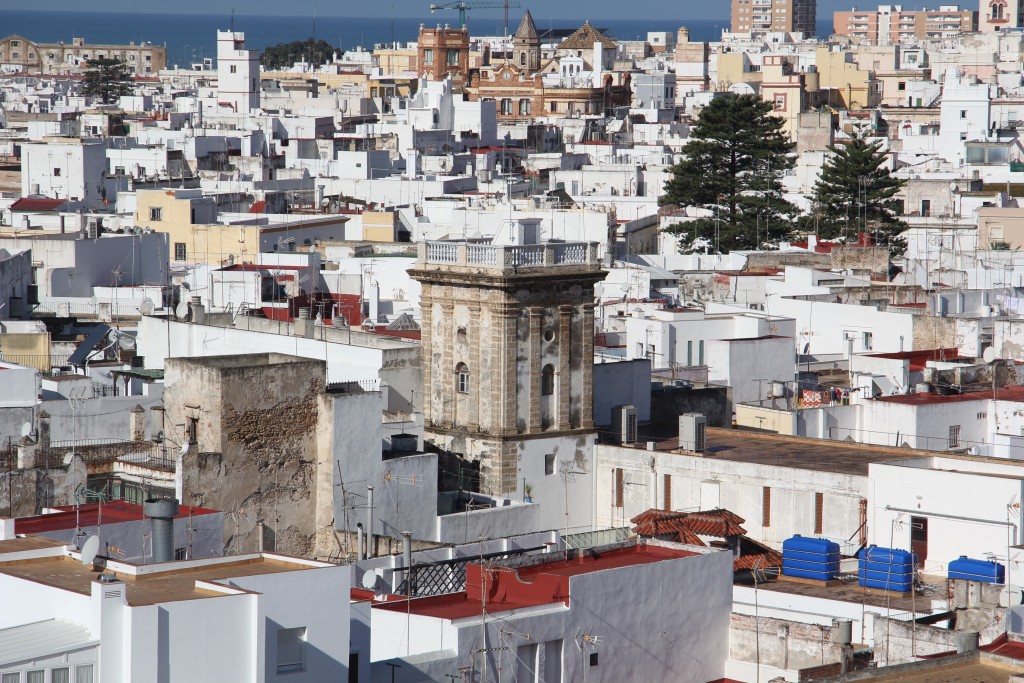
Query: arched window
[
  {"x": 547, "y": 380},
  {"x": 522, "y": 59},
  {"x": 462, "y": 378}
]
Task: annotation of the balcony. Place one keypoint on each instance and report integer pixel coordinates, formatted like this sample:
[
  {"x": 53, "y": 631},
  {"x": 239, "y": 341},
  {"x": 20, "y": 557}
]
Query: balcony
[{"x": 510, "y": 257}]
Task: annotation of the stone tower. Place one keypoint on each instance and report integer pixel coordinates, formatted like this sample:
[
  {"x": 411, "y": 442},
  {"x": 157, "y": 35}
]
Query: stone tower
[
  {"x": 526, "y": 45},
  {"x": 508, "y": 350}
]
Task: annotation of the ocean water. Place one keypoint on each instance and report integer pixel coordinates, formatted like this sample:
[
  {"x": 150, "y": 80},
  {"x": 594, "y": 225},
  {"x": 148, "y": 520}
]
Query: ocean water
[{"x": 192, "y": 37}]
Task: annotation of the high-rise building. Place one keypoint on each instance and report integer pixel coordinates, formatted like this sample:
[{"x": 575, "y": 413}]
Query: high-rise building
[
  {"x": 890, "y": 24},
  {"x": 782, "y": 16}
]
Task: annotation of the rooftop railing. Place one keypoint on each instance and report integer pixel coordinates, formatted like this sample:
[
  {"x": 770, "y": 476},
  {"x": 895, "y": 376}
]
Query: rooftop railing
[{"x": 506, "y": 257}]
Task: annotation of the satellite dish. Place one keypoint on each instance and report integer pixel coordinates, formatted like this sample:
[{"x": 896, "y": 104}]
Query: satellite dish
[
  {"x": 181, "y": 310},
  {"x": 146, "y": 308},
  {"x": 26, "y": 429},
  {"x": 989, "y": 354},
  {"x": 126, "y": 342},
  {"x": 89, "y": 550},
  {"x": 1010, "y": 596},
  {"x": 370, "y": 580},
  {"x": 184, "y": 448}
]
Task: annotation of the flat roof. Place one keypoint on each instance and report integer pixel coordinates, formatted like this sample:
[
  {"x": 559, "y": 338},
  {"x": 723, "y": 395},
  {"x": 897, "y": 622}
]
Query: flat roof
[
  {"x": 68, "y": 573},
  {"x": 530, "y": 586},
  {"x": 788, "y": 451},
  {"x": 1000, "y": 394},
  {"x": 89, "y": 515},
  {"x": 975, "y": 671}
]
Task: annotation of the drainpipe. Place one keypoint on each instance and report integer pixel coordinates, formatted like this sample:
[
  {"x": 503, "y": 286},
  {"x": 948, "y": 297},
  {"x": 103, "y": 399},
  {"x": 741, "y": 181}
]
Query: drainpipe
[{"x": 369, "y": 522}]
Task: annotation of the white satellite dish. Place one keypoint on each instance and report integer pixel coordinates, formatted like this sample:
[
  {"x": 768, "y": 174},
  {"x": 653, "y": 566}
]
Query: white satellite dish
[
  {"x": 369, "y": 580},
  {"x": 126, "y": 342},
  {"x": 181, "y": 310},
  {"x": 26, "y": 429},
  {"x": 146, "y": 307},
  {"x": 184, "y": 448},
  {"x": 89, "y": 550},
  {"x": 989, "y": 354}
]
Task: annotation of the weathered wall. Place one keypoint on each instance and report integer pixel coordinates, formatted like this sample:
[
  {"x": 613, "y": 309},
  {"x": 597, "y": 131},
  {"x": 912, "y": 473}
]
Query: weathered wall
[
  {"x": 714, "y": 402},
  {"x": 35, "y": 488},
  {"x": 781, "y": 643},
  {"x": 257, "y": 462},
  {"x": 932, "y": 332},
  {"x": 874, "y": 260}
]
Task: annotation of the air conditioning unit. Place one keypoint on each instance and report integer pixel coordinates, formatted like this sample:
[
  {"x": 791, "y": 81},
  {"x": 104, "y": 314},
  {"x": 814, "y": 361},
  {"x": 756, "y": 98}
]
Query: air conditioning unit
[
  {"x": 625, "y": 423},
  {"x": 691, "y": 432}
]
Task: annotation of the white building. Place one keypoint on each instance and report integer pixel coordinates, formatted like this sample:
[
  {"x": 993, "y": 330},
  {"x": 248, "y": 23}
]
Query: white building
[
  {"x": 253, "y": 618},
  {"x": 238, "y": 73}
]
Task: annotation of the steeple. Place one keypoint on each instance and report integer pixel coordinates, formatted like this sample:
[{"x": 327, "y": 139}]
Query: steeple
[{"x": 526, "y": 45}]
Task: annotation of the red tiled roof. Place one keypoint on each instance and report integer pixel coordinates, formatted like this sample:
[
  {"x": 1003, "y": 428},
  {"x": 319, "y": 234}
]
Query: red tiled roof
[
  {"x": 88, "y": 515},
  {"x": 720, "y": 522},
  {"x": 1001, "y": 394},
  {"x": 1004, "y": 647},
  {"x": 37, "y": 204},
  {"x": 259, "y": 207}
]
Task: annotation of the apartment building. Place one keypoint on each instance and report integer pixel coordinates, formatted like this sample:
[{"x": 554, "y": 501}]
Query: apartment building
[
  {"x": 890, "y": 24},
  {"x": 786, "y": 16},
  {"x": 19, "y": 53}
]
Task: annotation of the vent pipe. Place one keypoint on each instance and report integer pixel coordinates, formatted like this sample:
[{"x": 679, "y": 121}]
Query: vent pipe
[
  {"x": 360, "y": 556},
  {"x": 407, "y": 560},
  {"x": 162, "y": 512},
  {"x": 369, "y": 522}
]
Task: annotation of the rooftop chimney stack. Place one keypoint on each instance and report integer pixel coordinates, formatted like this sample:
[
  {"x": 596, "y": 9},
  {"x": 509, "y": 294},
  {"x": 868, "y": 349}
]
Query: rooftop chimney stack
[{"x": 162, "y": 512}]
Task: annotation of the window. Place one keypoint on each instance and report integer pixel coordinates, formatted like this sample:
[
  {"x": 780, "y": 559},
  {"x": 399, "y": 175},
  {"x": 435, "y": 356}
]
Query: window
[
  {"x": 902, "y": 85},
  {"x": 780, "y": 103},
  {"x": 593, "y": 659},
  {"x": 428, "y": 56},
  {"x": 36, "y": 676},
  {"x": 522, "y": 59},
  {"x": 954, "y": 436},
  {"x": 56, "y": 171},
  {"x": 506, "y": 106},
  {"x": 462, "y": 378},
  {"x": 234, "y": 69},
  {"x": 524, "y": 107},
  {"x": 179, "y": 251},
  {"x": 766, "y": 506},
  {"x": 547, "y": 380},
  {"x": 291, "y": 649},
  {"x": 868, "y": 341},
  {"x": 668, "y": 491},
  {"x": 618, "y": 487},
  {"x": 61, "y": 675},
  {"x": 926, "y": 207},
  {"x": 549, "y": 463},
  {"x": 689, "y": 352},
  {"x": 181, "y": 553},
  {"x": 700, "y": 352},
  {"x": 819, "y": 512},
  {"x": 982, "y": 416},
  {"x": 963, "y": 113},
  {"x": 156, "y": 213},
  {"x": 554, "y": 106},
  {"x": 83, "y": 673},
  {"x": 453, "y": 57},
  {"x": 11, "y": 678},
  {"x": 191, "y": 430}
]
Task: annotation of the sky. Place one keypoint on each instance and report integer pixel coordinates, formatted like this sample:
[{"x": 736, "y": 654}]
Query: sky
[{"x": 557, "y": 9}]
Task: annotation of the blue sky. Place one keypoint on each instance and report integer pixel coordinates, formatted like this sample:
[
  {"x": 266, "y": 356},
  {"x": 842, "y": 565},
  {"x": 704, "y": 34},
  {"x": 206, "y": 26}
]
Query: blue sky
[{"x": 559, "y": 9}]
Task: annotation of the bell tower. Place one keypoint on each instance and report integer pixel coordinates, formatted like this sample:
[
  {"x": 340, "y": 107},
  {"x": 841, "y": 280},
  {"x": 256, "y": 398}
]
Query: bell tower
[
  {"x": 526, "y": 45},
  {"x": 508, "y": 352}
]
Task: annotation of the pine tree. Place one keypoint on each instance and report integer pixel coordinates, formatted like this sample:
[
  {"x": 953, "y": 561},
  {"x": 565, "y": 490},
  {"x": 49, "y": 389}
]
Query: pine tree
[
  {"x": 107, "y": 79},
  {"x": 855, "y": 193},
  {"x": 732, "y": 167}
]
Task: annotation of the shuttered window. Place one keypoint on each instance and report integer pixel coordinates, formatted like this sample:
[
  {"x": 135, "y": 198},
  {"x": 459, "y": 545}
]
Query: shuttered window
[
  {"x": 766, "y": 506},
  {"x": 819, "y": 510},
  {"x": 291, "y": 649},
  {"x": 668, "y": 491},
  {"x": 618, "y": 487}
]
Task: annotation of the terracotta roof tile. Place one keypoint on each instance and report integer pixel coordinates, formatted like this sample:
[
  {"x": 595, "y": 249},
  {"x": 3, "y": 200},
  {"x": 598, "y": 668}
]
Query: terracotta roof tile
[{"x": 584, "y": 39}]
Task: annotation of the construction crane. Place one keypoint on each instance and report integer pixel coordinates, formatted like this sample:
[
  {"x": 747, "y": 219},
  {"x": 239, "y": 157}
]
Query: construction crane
[{"x": 462, "y": 6}]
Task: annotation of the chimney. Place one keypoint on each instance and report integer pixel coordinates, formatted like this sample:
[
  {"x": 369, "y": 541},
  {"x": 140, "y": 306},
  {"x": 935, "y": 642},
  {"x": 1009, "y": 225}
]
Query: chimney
[
  {"x": 303, "y": 325},
  {"x": 598, "y": 63},
  {"x": 44, "y": 427},
  {"x": 162, "y": 512},
  {"x": 198, "y": 311},
  {"x": 137, "y": 422}
]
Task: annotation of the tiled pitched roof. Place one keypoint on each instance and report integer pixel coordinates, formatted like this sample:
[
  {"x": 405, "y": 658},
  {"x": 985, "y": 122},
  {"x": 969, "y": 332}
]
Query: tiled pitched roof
[
  {"x": 527, "y": 31},
  {"x": 584, "y": 39},
  {"x": 721, "y": 523}
]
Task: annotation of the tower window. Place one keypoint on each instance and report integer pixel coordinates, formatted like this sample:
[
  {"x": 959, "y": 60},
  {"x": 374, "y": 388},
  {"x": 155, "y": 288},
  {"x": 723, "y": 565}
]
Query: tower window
[
  {"x": 462, "y": 378},
  {"x": 522, "y": 59},
  {"x": 547, "y": 380}
]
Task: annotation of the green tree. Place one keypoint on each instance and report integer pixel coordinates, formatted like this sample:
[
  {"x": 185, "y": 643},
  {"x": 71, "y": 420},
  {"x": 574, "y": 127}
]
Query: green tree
[
  {"x": 107, "y": 79},
  {"x": 855, "y": 193},
  {"x": 284, "y": 55},
  {"x": 732, "y": 166}
]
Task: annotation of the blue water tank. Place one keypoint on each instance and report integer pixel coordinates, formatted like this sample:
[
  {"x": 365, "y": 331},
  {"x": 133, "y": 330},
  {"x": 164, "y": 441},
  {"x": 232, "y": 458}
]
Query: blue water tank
[
  {"x": 977, "y": 570},
  {"x": 810, "y": 558},
  {"x": 886, "y": 568}
]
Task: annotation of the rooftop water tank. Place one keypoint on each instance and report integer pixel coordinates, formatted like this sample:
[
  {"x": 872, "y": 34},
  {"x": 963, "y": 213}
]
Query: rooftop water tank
[
  {"x": 810, "y": 558},
  {"x": 886, "y": 569}
]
